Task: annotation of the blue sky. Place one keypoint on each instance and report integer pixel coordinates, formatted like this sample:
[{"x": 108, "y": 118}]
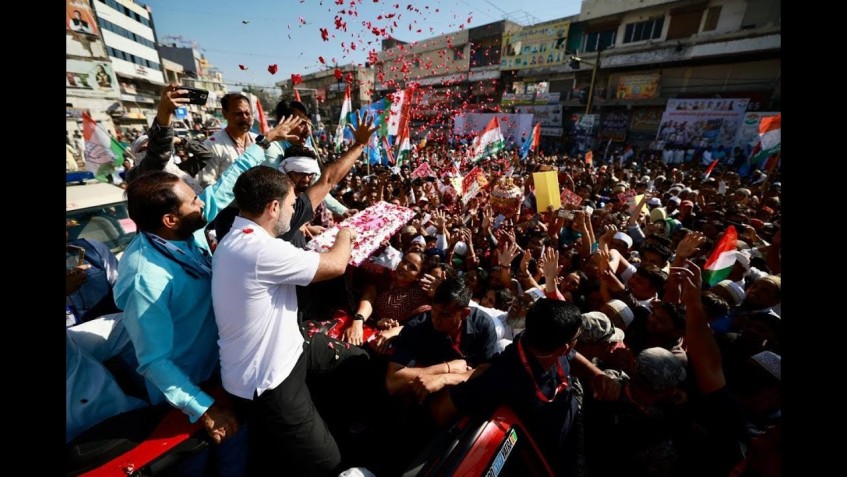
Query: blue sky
[{"x": 287, "y": 32}]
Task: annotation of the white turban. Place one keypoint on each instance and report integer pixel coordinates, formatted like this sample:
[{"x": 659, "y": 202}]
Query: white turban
[{"x": 304, "y": 165}]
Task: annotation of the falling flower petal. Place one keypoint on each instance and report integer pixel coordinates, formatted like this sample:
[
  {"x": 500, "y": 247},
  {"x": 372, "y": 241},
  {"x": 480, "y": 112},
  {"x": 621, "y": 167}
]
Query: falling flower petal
[
  {"x": 272, "y": 69},
  {"x": 324, "y": 34},
  {"x": 296, "y": 79},
  {"x": 242, "y": 67}
]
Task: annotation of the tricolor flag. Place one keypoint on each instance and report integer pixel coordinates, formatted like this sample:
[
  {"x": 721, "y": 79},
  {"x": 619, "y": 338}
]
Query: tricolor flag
[
  {"x": 398, "y": 117},
  {"x": 346, "y": 108},
  {"x": 405, "y": 149},
  {"x": 102, "y": 152},
  {"x": 770, "y": 139},
  {"x": 490, "y": 141},
  {"x": 722, "y": 259},
  {"x": 532, "y": 142},
  {"x": 770, "y": 133}
]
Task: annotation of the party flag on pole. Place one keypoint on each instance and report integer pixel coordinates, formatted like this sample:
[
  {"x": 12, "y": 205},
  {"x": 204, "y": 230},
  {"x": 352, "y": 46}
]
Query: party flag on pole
[{"x": 722, "y": 259}]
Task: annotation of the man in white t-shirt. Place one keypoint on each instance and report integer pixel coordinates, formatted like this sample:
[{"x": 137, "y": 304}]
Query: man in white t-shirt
[{"x": 264, "y": 356}]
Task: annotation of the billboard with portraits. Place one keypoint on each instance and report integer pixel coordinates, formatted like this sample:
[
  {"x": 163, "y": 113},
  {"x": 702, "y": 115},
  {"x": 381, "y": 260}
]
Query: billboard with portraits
[{"x": 80, "y": 19}]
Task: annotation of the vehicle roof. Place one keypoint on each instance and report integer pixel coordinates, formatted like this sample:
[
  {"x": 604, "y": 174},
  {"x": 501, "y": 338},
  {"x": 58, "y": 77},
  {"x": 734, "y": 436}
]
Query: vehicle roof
[{"x": 92, "y": 194}]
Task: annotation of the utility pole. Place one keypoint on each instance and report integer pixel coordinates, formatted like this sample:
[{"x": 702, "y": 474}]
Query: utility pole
[{"x": 575, "y": 62}]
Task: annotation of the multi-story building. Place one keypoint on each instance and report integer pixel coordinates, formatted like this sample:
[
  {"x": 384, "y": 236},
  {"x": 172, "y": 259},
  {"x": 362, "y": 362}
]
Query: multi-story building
[
  {"x": 130, "y": 40},
  {"x": 639, "y": 54},
  {"x": 90, "y": 82},
  {"x": 198, "y": 73},
  {"x": 457, "y": 71}
]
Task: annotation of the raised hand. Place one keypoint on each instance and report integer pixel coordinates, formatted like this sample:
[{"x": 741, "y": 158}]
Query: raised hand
[
  {"x": 362, "y": 133},
  {"x": 692, "y": 282},
  {"x": 507, "y": 253},
  {"x": 439, "y": 218},
  {"x": 550, "y": 264},
  {"x": 429, "y": 284},
  {"x": 689, "y": 244},
  {"x": 283, "y": 130}
]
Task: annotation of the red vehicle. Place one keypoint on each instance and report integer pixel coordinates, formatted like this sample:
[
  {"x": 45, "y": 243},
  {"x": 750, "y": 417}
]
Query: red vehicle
[
  {"x": 151, "y": 440},
  {"x": 496, "y": 447}
]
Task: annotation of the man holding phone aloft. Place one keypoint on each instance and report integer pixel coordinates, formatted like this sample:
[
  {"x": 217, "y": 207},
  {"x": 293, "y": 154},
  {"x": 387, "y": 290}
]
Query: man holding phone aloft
[{"x": 154, "y": 151}]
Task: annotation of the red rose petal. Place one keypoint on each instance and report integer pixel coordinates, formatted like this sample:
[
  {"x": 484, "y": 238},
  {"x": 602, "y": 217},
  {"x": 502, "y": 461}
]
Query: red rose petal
[{"x": 272, "y": 69}]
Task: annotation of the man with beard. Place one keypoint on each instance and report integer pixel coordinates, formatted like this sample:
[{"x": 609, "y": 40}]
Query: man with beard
[
  {"x": 264, "y": 357},
  {"x": 164, "y": 284},
  {"x": 230, "y": 142}
]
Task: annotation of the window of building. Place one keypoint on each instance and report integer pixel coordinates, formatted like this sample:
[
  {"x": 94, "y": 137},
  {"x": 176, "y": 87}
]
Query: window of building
[
  {"x": 712, "y": 16},
  {"x": 598, "y": 40},
  {"x": 458, "y": 53},
  {"x": 646, "y": 30}
]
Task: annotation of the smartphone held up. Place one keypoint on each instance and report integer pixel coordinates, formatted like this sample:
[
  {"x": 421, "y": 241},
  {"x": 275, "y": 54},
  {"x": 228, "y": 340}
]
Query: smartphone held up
[{"x": 196, "y": 95}]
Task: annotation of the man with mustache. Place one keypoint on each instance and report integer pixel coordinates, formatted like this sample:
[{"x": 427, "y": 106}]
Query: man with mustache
[{"x": 230, "y": 142}]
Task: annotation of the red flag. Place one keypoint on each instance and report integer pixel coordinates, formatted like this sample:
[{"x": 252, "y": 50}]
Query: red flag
[
  {"x": 709, "y": 169},
  {"x": 263, "y": 121},
  {"x": 297, "y": 95}
]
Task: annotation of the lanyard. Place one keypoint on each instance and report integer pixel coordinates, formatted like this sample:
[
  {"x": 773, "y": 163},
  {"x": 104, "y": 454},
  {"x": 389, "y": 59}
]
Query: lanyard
[
  {"x": 563, "y": 380},
  {"x": 190, "y": 263},
  {"x": 240, "y": 149}
]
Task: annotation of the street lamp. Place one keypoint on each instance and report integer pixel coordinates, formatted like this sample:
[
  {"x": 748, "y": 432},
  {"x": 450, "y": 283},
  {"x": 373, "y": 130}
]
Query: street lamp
[{"x": 575, "y": 64}]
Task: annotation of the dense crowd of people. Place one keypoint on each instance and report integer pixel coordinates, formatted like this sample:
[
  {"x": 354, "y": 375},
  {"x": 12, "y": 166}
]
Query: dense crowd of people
[{"x": 593, "y": 322}]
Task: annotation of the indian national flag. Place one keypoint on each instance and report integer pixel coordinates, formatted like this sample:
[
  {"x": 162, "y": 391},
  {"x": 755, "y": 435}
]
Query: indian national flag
[
  {"x": 770, "y": 132},
  {"x": 405, "y": 149},
  {"x": 489, "y": 142},
  {"x": 346, "y": 108},
  {"x": 722, "y": 259},
  {"x": 102, "y": 152}
]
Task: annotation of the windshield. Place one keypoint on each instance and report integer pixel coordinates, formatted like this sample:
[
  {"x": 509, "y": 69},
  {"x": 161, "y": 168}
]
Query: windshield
[{"x": 109, "y": 224}]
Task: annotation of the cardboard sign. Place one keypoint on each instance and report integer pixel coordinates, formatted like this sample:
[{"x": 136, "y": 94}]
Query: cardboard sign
[
  {"x": 473, "y": 183},
  {"x": 570, "y": 197},
  {"x": 546, "y": 190},
  {"x": 636, "y": 200},
  {"x": 627, "y": 197},
  {"x": 423, "y": 170}
]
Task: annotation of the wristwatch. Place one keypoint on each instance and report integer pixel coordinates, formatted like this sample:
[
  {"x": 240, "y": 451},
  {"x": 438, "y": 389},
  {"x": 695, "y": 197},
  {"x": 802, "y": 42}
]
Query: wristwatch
[
  {"x": 263, "y": 141},
  {"x": 358, "y": 317}
]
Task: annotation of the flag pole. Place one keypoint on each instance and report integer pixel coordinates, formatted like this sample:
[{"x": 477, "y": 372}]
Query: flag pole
[{"x": 770, "y": 172}]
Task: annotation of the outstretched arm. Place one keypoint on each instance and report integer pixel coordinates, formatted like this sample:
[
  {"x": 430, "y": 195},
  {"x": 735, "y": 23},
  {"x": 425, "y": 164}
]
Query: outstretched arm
[{"x": 338, "y": 169}]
